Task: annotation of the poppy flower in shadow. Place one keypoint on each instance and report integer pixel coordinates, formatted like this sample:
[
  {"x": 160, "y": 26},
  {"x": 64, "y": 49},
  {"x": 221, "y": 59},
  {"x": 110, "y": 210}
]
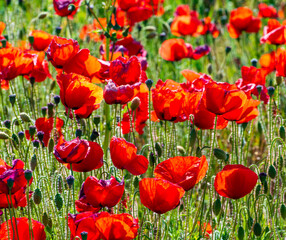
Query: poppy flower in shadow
[
  {"x": 103, "y": 225},
  {"x": 209, "y": 28},
  {"x": 18, "y": 199},
  {"x": 160, "y": 195},
  {"x": 7, "y": 232},
  {"x": 183, "y": 171},
  {"x": 235, "y": 181},
  {"x": 242, "y": 19},
  {"x": 266, "y": 11},
  {"x": 83, "y": 155},
  {"x": 96, "y": 194},
  {"x": 124, "y": 156},
  {"x": 63, "y": 7},
  {"x": 15, "y": 173}
]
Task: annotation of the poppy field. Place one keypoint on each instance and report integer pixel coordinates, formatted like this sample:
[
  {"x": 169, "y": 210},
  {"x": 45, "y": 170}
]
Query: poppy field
[{"x": 142, "y": 119}]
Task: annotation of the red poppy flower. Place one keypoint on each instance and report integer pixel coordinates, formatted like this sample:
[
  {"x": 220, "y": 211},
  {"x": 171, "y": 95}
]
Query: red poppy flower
[
  {"x": 186, "y": 25},
  {"x": 61, "y": 50},
  {"x": 124, "y": 156},
  {"x": 267, "y": 62},
  {"x": 46, "y": 125},
  {"x": 18, "y": 199},
  {"x": 266, "y": 11},
  {"x": 90, "y": 30},
  {"x": 13, "y": 62},
  {"x": 23, "y": 229},
  {"x": 281, "y": 63},
  {"x": 251, "y": 78},
  {"x": 2, "y": 27},
  {"x": 274, "y": 33},
  {"x": 209, "y": 27},
  {"x": 139, "y": 13},
  {"x": 184, "y": 9},
  {"x": 16, "y": 173},
  {"x": 184, "y": 171},
  {"x": 84, "y": 155},
  {"x": 140, "y": 115},
  {"x": 78, "y": 93},
  {"x": 41, "y": 67},
  {"x": 235, "y": 181},
  {"x": 168, "y": 98},
  {"x": 177, "y": 49},
  {"x": 132, "y": 46},
  {"x": 62, "y": 7},
  {"x": 223, "y": 98},
  {"x": 160, "y": 195},
  {"x": 42, "y": 40},
  {"x": 207, "y": 228},
  {"x": 242, "y": 19},
  {"x": 103, "y": 226},
  {"x": 113, "y": 94},
  {"x": 96, "y": 194},
  {"x": 126, "y": 4}
]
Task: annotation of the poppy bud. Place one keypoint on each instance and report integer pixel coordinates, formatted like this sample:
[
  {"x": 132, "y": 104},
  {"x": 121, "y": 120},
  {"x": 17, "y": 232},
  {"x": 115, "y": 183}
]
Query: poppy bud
[
  {"x": 44, "y": 111},
  {"x": 36, "y": 143},
  {"x": 32, "y": 80},
  {"x": 135, "y": 103},
  {"x": 10, "y": 183},
  {"x": 45, "y": 219},
  {"x": 244, "y": 125},
  {"x": 158, "y": 149},
  {"x": 257, "y": 191},
  {"x": 70, "y": 181},
  {"x": 12, "y": 99},
  {"x": 58, "y": 201},
  {"x": 193, "y": 137},
  {"x": 94, "y": 135},
  {"x": 40, "y": 135},
  {"x": 57, "y": 99},
  {"x": 219, "y": 154},
  {"x": 149, "y": 83},
  {"x": 21, "y": 135},
  {"x": 270, "y": 91},
  {"x": 125, "y": 32},
  {"x": 265, "y": 187},
  {"x": 151, "y": 35},
  {"x": 58, "y": 30},
  {"x": 152, "y": 159},
  {"x": 50, "y": 109},
  {"x": 283, "y": 211},
  {"x": 250, "y": 222},
  {"x": 84, "y": 235},
  {"x": 4, "y": 43},
  {"x": 210, "y": 68},
  {"x": 272, "y": 171},
  {"x": 254, "y": 62},
  {"x": 227, "y": 50},
  {"x": 32, "y": 130},
  {"x": 162, "y": 36},
  {"x": 71, "y": 7},
  {"x": 25, "y": 117},
  {"x": 31, "y": 39},
  {"x": 240, "y": 233},
  {"x": 51, "y": 145},
  {"x": 7, "y": 124},
  {"x": 260, "y": 127},
  {"x": 217, "y": 206},
  {"x": 223, "y": 20},
  {"x": 257, "y": 230},
  {"x": 4, "y": 135},
  {"x": 198, "y": 152},
  {"x": 60, "y": 184},
  {"x": 136, "y": 182},
  {"x": 96, "y": 120},
  {"x": 279, "y": 80},
  {"x": 262, "y": 177},
  {"x": 282, "y": 132},
  {"x": 43, "y": 15},
  {"x": 78, "y": 133},
  {"x": 181, "y": 150},
  {"x": 37, "y": 196},
  {"x": 15, "y": 138},
  {"x": 28, "y": 175}
]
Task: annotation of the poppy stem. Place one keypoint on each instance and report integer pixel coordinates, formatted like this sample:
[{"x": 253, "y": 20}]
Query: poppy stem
[
  {"x": 150, "y": 123},
  {"x": 7, "y": 224},
  {"x": 159, "y": 226},
  {"x": 73, "y": 191},
  {"x": 212, "y": 145},
  {"x": 189, "y": 195},
  {"x": 31, "y": 233}
]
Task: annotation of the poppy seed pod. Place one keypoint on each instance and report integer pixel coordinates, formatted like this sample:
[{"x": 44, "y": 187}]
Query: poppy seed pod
[
  {"x": 262, "y": 177},
  {"x": 25, "y": 117},
  {"x": 84, "y": 235},
  {"x": 149, "y": 83},
  {"x": 21, "y": 135},
  {"x": 28, "y": 175},
  {"x": 12, "y": 99},
  {"x": 70, "y": 181},
  {"x": 270, "y": 91},
  {"x": 58, "y": 30},
  {"x": 217, "y": 206}
]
